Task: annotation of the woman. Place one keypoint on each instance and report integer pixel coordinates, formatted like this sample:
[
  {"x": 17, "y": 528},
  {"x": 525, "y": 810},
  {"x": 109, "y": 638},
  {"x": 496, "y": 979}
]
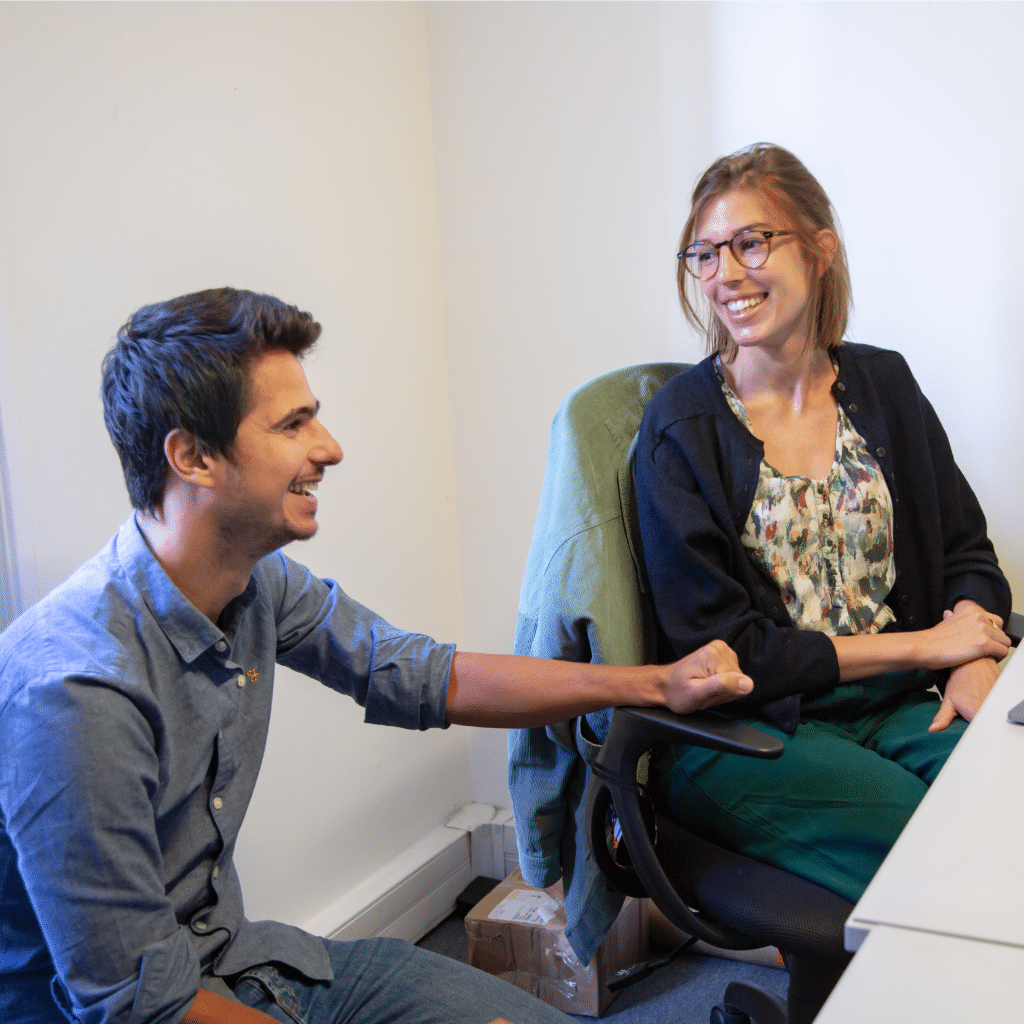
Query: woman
[{"x": 798, "y": 499}]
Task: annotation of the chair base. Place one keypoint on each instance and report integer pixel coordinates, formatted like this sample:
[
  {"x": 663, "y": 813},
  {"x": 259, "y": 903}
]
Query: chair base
[
  {"x": 745, "y": 1004},
  {"x": 810, "y": 983}
]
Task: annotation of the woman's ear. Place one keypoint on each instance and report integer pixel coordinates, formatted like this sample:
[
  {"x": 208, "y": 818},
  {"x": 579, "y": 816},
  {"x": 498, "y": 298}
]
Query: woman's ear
[
  {"x": 828, "y": 246},
  {"x": 186, "y": 458}
]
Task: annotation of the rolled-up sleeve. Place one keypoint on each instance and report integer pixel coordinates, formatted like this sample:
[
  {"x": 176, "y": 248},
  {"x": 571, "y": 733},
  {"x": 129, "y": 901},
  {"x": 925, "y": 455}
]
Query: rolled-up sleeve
[{"x": 399, "y": 678}]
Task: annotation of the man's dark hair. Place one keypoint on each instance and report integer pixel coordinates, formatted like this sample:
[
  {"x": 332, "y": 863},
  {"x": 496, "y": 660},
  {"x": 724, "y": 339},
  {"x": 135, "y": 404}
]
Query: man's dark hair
[{"x": 186, "y": 363}]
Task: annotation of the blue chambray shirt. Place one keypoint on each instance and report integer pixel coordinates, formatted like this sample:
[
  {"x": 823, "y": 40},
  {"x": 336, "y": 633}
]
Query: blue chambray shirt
[{"x": 131, "y": 734}]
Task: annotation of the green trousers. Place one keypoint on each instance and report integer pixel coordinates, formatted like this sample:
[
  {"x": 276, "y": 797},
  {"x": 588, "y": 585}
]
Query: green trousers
[{"x": 830, "y": 808}]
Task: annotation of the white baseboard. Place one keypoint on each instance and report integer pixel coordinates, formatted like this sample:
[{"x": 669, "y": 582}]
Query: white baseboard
[
  {"x": 492, "y": 835},
  {"x": 417, "y": 890}
]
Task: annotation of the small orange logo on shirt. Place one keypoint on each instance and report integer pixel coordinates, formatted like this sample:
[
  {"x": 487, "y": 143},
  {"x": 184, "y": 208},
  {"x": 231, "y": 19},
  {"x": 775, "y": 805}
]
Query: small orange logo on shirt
[{"x": 253, "y": 675}]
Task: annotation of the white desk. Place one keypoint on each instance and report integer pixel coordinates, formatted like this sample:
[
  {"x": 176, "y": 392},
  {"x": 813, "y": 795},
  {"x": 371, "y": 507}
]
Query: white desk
[
  {"x": 900, "y": 976},
  {"x": 958, "y": 867}
]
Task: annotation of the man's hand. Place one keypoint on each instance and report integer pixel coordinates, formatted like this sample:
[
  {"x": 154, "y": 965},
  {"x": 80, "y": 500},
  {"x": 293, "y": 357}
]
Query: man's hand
[
  {"x": 709, "y": 676},
  {"x": 209, "y": 1008},
  {"x": 966, "y": 690}
]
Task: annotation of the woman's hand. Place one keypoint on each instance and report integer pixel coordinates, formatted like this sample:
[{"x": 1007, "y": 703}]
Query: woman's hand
[
  {"x": 966, "y": 633},
  {"x": 970, "y": 682},
  {"x": 966, "y": 690}
]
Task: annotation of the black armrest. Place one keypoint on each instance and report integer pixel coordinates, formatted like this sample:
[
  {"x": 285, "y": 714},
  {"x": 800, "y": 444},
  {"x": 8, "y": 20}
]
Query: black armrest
[
  {"x": 635, "y": 730},
  {"x": 1015, "y": 627}
]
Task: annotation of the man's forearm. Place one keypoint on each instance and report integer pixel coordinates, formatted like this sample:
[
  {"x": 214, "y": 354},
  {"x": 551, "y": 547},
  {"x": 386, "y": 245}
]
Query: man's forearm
[
  {"x": 506, "y": 691},
  {"x": 209, "y": 1008},
  {"x": 511, "y": 692}
]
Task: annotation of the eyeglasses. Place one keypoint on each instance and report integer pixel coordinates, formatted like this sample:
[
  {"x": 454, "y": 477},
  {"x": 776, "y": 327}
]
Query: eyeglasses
[{"x": 750, "y": 248}]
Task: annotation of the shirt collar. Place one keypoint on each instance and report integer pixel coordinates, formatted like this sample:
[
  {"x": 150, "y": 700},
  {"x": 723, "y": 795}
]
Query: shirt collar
[{"x": 189, "y": 631}]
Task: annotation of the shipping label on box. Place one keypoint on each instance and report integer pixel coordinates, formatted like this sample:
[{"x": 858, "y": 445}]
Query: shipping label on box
[
  {"x": 526, "y": 906},
  {"x": 517, "y": 932}
]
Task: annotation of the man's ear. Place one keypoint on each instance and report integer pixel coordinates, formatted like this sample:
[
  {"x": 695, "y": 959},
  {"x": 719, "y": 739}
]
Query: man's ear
[
  {"x": 187, "y": 459},
  {"x": 828, "y": 246}
]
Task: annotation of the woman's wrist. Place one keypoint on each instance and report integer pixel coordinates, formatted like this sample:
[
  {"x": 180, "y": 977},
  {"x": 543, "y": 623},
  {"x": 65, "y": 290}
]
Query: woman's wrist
[{"x": 872, "y": 654}]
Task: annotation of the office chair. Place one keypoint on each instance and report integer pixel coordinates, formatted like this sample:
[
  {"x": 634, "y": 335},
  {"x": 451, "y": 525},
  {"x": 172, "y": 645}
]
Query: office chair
[
  {"x": 739, "y": 903},
  {"x": 742, "y": 903},
  {"x": 584, "y": 597}
]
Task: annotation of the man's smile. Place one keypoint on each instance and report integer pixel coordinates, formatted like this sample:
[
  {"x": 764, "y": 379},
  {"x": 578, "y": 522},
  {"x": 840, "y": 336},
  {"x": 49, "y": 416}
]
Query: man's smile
[{"x": 306, "y": 488}]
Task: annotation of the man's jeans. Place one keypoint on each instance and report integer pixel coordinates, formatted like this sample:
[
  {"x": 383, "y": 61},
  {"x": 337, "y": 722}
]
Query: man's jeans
[{"x": 388, "y": 980}]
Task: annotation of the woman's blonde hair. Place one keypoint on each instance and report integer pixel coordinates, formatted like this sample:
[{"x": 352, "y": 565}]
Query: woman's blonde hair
[{"x": 780, "y": 175}]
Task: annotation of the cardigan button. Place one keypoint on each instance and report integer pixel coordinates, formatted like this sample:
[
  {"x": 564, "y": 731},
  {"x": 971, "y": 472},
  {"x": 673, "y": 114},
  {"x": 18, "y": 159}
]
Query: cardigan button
[
  {"x": 840, "y": 385},
  {"x": 880, "y": 452},
  {"x": 853, "y": 407}
]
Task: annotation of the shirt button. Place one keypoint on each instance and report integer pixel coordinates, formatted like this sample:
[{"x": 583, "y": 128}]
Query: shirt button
[
  {"x": 217, "y": 803},
  {"x": 216, "y": 871},
  {"x": 221, "y": 645},
  {"x": 241, "y": 680},
  {"x": 200, "y": 926}
]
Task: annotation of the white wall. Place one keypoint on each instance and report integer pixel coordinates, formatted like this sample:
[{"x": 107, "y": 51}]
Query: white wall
[
  {"x": 551, "y": 167},
  {"x": 569, "y": 137},
  {"x": 480, "y": 202},
  {"x": 909, "y": 115},
  {"x": 151, "y": 149}
]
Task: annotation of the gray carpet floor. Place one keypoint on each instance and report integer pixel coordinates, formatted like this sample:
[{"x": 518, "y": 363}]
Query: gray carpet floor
[{"x": 681, "y": 993}]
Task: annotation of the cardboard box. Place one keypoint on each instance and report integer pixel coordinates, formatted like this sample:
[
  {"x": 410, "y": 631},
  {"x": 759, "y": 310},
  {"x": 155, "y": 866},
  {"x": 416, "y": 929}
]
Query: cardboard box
[{"x": 517, "y": 932}]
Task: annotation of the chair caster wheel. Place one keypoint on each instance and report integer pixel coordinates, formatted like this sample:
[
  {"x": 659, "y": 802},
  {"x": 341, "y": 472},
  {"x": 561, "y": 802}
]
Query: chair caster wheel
[{"x": 720, "y": 1015}]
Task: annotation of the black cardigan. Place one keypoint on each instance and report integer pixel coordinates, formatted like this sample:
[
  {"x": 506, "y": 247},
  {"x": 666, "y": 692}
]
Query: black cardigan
[{"x": 696, "y": 473}]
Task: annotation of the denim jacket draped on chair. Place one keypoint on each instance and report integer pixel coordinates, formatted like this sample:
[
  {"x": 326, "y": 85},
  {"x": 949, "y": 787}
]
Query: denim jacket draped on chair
[{"x": 583, "y": 599}]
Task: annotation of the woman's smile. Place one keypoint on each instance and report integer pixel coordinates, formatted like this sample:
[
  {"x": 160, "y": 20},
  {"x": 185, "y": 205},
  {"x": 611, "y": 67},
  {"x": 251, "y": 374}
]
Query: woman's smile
[{"x": 767, "y": 306}]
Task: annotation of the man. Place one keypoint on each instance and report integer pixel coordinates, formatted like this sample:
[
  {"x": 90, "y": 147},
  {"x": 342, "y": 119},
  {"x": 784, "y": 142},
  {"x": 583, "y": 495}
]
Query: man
[{"x": 135, "y": 702}]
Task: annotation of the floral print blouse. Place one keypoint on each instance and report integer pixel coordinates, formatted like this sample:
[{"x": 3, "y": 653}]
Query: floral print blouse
[{"x": 827, "y": 544}]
